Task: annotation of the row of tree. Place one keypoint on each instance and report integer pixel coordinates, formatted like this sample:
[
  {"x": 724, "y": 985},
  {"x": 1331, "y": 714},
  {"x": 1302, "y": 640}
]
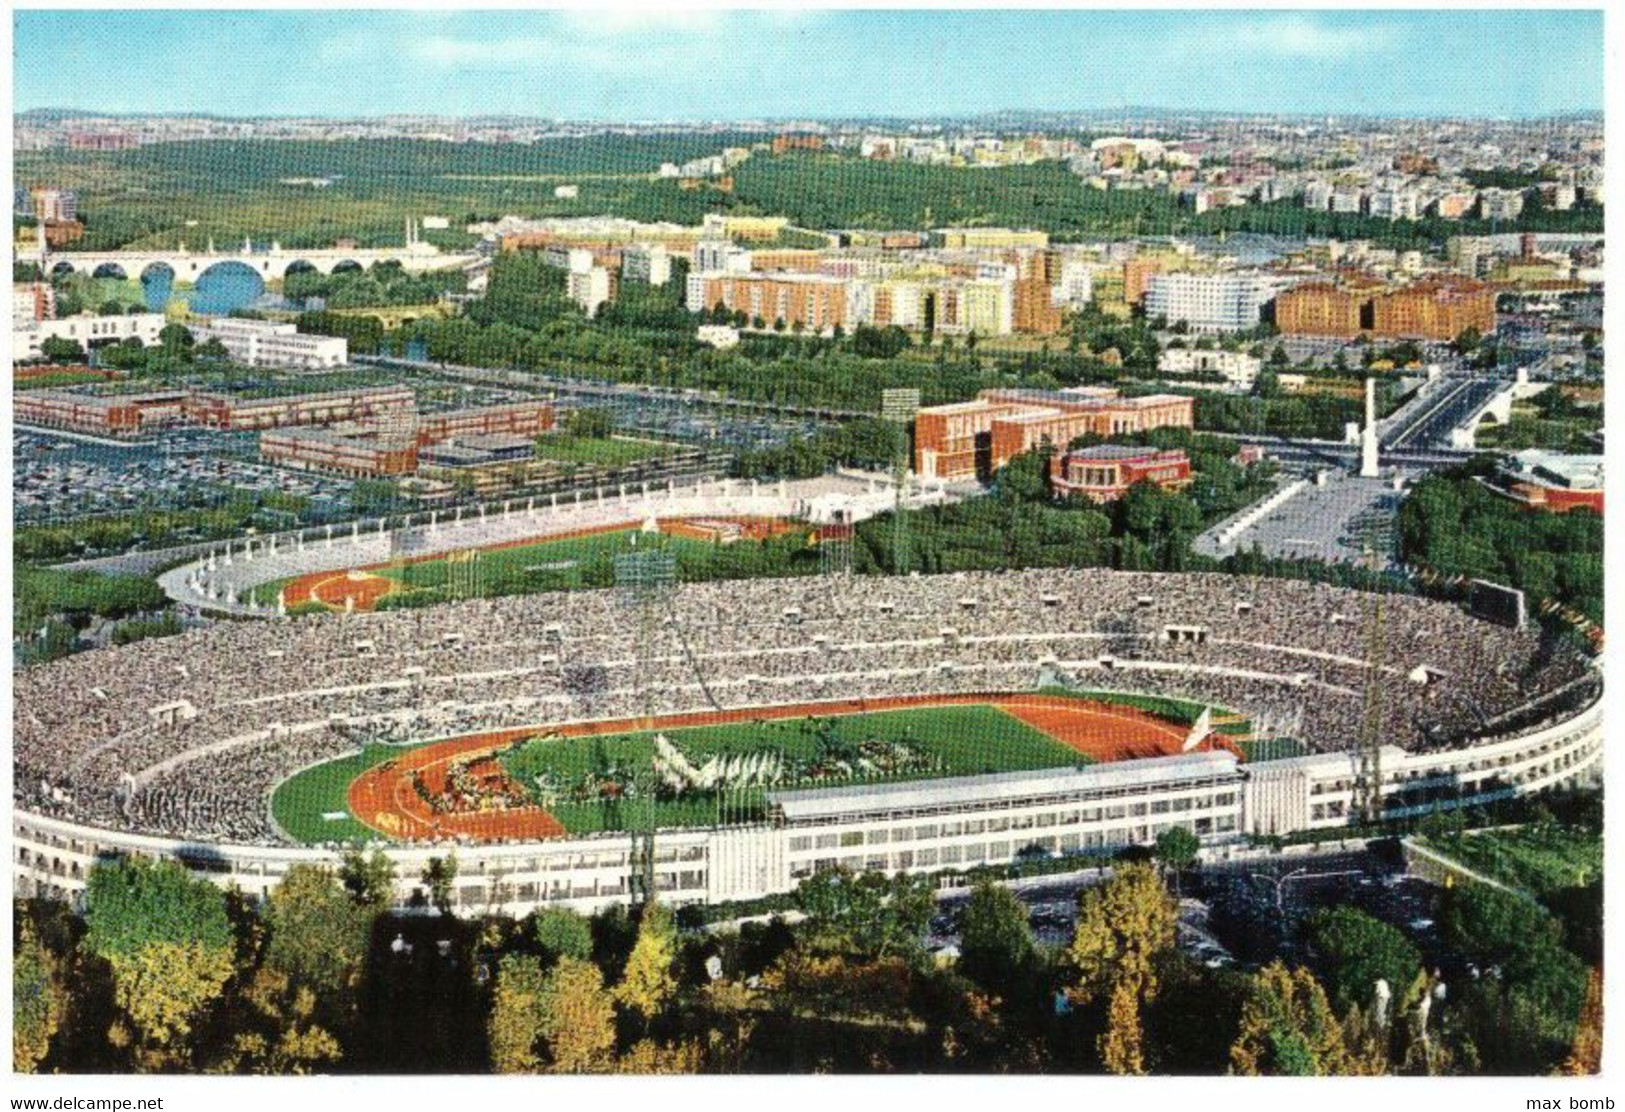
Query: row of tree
[{"x": 167, "y": 972}]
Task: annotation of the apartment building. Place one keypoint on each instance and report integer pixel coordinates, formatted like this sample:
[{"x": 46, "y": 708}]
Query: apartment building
[
  {"x": 265, "y": 343},
  {"x": 816, "y": 302},
  {"x": 1220, "y": 302},
  {"x": 1434, "y": 309}
]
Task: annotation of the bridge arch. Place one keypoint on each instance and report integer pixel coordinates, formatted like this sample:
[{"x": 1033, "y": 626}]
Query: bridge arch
[
  {"x": 233, "y": 271},
  {"x": 346, "y": 265},
  {"x": 157, "y": 284},
  {"x": 300, "y": 266},
  {"x": 63, "y": 266},
  {"x": 110, "y": 269}
]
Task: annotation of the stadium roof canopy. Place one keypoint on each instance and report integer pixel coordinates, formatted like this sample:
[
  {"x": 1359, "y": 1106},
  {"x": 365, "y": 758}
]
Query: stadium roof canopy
[{"x": 813, "y": 804}]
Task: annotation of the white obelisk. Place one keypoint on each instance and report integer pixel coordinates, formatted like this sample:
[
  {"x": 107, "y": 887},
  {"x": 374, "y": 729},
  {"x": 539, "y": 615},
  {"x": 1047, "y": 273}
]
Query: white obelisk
[{"x": 1368, "y": 441}]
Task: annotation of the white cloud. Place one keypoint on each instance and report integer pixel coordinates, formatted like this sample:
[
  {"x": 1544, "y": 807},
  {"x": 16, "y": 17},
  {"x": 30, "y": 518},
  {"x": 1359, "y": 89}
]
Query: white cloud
[
  {"x": 446, "y": 51},
  {"x": 617, "y": 20},
  {"x": 1297, "y": 36}
]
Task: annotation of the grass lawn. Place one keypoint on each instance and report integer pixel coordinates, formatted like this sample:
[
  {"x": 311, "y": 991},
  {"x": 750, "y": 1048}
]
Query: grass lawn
[
  {"x": 1272, "y": 748},
  {"x": 965, "y": 741},
  {"x": 299, "y": 802},
  {"x": 558, "y": 564},
  {"x": 600, "y": 451},
  {"x": 1529, "y": 429},
  {"x": 1539, "y": 859}
]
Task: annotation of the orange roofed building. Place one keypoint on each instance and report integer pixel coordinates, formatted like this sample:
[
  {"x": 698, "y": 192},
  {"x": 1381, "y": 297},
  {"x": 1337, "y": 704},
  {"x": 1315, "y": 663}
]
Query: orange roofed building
[
  {"x": 972, "y": 440},
  {"x": 1435, "y": 309}
]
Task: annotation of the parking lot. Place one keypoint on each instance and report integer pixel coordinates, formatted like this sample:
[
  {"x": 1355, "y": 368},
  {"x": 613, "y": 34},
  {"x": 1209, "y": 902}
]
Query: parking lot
[
  {"x": 58, "y": 478},
  {"x": 1243, "y": 913}
]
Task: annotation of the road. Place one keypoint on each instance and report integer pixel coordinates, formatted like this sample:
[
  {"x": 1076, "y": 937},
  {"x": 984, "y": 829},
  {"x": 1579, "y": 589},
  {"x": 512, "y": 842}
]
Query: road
[
  {"x": 1428, "y": 421},
  {"x": 1335, "y": 453},
  {"x": 585, "y": 388}
]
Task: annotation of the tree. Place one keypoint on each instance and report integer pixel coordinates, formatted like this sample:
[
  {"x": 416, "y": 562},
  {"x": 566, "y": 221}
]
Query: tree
[
  {"x": 1585, "y": 1055},
  {"x": 648, "y": 985},
  {"x": 562, "y": 933},
  {"x": 590, "y": 424},
  {"x": 995, "y": 938},
  {"x": 438, "y": 876},
  {"x": 168, "y": 940},
  {"x": 1026, "y": 477},
  {"x": 318, "y": 936},
  {"x": 176, "y": 336},
  {"x": 515, "y": 1026},
  {"x": 59, "y": 349},
  {"x": 1353, "y": 951},
  {"x": 1122, "y": 1046},
  {"x": 1122, "y": 926},
  {"x": 212, "y": 348},
  {"x": 1467, "y": 340},
  {"x": 1177, "y": 848},
  {"x": 370, "y": 881},
  {"x": 577, "y": 1017},
  {"x": 39, "y": 999},
  {"x": 1288, "y": 1029},
  {"x": 867, "y": 914}
]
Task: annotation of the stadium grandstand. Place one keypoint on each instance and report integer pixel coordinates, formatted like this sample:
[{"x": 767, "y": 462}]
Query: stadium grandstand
[{"x": 176, "y": 747}]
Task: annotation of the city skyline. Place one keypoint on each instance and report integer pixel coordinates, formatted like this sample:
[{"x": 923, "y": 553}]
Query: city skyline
[{"x": 731, "y": 65}]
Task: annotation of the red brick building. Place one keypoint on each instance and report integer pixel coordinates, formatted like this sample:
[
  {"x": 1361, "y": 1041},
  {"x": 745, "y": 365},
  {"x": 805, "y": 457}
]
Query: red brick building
[
  {"x": 1104, "y": 473},
  {"x": 517, "y": 418},
  {"x": 970, "y": 440},
  {"x": 359, "y": 454},
  {"x": 227, "y": 411},
  {"x": 97, "y": 414},
  {"x": 1553, "y": 481}
]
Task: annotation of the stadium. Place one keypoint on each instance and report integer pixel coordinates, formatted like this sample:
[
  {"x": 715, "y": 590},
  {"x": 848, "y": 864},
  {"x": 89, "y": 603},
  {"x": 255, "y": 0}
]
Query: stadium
[{"x": 719, "y": 741}]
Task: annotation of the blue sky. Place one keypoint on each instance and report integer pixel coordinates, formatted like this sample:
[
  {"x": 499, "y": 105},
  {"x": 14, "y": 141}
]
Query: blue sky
[{"x": 720, "y": 64}]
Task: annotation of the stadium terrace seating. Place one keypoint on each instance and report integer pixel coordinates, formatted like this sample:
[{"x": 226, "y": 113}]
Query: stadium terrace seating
[{"x": 187, "y": 736}]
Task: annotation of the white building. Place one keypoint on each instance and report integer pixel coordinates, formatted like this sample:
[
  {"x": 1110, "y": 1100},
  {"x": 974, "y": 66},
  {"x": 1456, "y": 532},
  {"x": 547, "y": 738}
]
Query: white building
[
  {"x": 646, "y": 262},
  {"x": 30, "y": 302},
  {"x": 1077, "y": 285},
  {"x": 1500, "y": 204},
  {"x": 589, "y": 288},
  {"x": 712, "y": 255},
  {"x": 719, "y": 336},
  {"x": 1235, "y": 367},
  {"x": 85, "y": 330},
  {"x": 267, "y": 343},
  {"x": 1347, "y": 199},
  {"x": 1224, "y": 302},
  {"x": 1394, "y": 204},
  {"x": 566, "y": 192}
]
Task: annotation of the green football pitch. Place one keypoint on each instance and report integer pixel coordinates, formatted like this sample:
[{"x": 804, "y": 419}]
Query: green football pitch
[
  {"x": 955, "y": 740},
  {"x": 312, "y": 805}
]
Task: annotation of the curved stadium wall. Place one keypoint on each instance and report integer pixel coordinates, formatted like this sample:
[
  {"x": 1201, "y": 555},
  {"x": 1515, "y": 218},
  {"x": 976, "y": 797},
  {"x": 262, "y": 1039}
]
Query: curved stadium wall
[{"x": 170, "y": 748}]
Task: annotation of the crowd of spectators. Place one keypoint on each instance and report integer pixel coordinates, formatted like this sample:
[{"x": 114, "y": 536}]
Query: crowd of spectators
[{"x": 189, "y": 735}]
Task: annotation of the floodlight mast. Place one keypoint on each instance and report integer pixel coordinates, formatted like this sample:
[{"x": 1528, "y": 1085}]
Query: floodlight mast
[
  {"x": 643, "y": 583},
  {"x": 1368, "y": 771},
  {"x": 899, "y": 405}
]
